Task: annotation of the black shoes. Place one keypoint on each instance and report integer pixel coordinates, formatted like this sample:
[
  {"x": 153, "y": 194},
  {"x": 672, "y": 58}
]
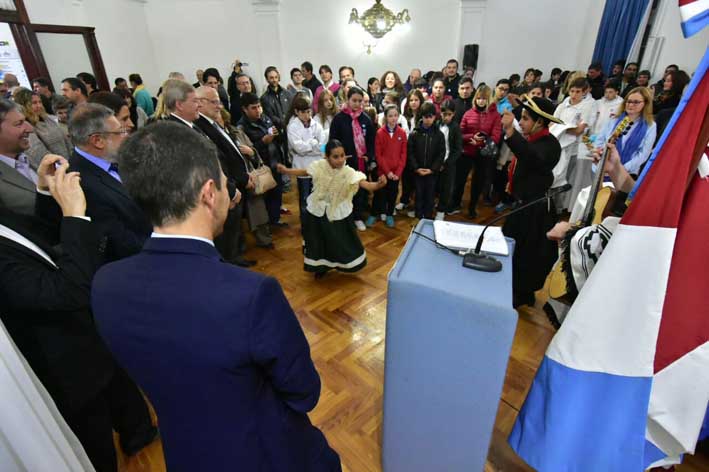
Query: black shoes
[{"x": 241, "y": 262}]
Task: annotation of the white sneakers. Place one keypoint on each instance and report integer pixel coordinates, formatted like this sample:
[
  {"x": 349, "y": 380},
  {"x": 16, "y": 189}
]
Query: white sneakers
[
  {"x": 360, "y": 225},
  {"x": 411, "y": 214},
  {"x": 399, "y": 206},
  {"x": 440, "y": 215}
]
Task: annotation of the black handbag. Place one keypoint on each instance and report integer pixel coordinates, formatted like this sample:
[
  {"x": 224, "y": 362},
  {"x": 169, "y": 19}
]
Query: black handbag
[{"x": 490, "y": 148}]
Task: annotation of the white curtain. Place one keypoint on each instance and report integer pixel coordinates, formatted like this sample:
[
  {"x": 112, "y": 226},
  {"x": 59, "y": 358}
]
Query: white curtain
[
  {"x": 634, "y": 53},
  {"x": 33, "y": 435}
]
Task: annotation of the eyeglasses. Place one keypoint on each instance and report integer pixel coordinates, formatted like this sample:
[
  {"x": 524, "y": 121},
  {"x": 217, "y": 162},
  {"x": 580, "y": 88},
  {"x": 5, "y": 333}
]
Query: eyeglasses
[
  {"x": 634, "y": 102},
  {"x": 120, "y": 132},
  {"x": 503, "y": 89}
]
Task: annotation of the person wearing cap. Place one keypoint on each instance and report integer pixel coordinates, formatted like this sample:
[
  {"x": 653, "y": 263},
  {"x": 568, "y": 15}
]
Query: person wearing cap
[{"x": 536, "y": 153}]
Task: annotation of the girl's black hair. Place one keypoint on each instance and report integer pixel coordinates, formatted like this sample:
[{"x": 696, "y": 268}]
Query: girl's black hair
[
  {"x": 332, "y": 145},
  {"x": 354, "y": 90}
]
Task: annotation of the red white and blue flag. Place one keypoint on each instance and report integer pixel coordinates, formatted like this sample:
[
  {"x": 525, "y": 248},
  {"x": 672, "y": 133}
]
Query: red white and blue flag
[
  {"x": 624, "y": 385},
  {"x": 695, "y": 16}
]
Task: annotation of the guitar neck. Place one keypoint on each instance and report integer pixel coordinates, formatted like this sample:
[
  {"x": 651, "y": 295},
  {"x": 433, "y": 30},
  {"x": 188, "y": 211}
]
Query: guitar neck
[{"x": 587, "y": 217}]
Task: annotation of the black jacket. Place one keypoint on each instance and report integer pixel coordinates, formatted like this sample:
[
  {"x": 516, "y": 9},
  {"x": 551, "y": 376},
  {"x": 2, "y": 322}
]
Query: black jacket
[
  {"x": 271, "y": 154},
  {"x": 341, "y": 129},
  {"x": 461, "y": 106},
  {"x": 233, "y": 163},
  {"x": 535, "y": 161},
  {"x": 598, "y": 86},
  {"x": 235, "y": 107},
  {"x": 426, "y": 148},
  {"x": 46, "y": 308},
  {"x": 112, "y": 210},
  {"x": 455, "y": 143},
  {"x": 452, "y": 85},
  {"x": 312, "y": 84},
  {"x": 276, "y": 104}
]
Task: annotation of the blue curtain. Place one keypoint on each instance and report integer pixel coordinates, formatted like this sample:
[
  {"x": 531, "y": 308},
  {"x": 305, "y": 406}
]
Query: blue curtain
[{"x": 620, "y": 22}]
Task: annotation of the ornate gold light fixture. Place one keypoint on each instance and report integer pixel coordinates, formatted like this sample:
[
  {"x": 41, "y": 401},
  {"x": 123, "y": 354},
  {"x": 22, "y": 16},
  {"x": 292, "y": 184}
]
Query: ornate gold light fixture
[{"x": 379, "y": 20}]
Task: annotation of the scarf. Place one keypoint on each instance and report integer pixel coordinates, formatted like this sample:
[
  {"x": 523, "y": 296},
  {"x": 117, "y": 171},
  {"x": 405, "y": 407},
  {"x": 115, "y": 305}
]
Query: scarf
[
  {"x": 358, "y": 136},
  {"x": 627, "y": 147},
  {"x": 513, "y": 165}
]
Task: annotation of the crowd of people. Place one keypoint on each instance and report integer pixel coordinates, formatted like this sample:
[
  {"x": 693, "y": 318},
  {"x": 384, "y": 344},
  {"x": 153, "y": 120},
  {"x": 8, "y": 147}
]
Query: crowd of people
[{"x": 146, "y": 195}]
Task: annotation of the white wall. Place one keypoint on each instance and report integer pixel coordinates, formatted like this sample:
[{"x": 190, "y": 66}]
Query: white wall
[
  {"x": 155, "y": 37},
  {"x": 675, "y": 49},
  {"x": 121, "y": 32}
]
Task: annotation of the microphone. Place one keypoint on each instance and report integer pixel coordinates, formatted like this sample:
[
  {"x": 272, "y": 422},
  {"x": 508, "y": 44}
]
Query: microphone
[{"x": 487, "y": 263}]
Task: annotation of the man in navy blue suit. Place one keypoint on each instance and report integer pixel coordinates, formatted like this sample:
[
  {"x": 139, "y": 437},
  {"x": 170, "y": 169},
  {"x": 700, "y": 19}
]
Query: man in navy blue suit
[{"x": 217, "y": 348}]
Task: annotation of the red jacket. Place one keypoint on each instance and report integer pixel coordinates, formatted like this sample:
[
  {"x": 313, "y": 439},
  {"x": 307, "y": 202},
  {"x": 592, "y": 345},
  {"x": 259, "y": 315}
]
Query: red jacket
[
  {"x": 438, "y": 104},
  {"x": 390, "y": 151},
  {"x": 474, "y": 121}
]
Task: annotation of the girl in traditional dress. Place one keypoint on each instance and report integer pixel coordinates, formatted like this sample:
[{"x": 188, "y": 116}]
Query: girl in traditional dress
[{"x": 331, "y": 240}]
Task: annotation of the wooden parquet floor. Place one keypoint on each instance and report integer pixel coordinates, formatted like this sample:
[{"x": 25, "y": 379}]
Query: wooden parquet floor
[{"x": 343, "y": 316}]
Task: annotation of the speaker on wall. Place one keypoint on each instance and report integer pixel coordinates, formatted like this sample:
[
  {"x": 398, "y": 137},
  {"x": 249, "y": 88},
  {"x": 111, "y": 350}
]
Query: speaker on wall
[{"x": 470, "y": 56}]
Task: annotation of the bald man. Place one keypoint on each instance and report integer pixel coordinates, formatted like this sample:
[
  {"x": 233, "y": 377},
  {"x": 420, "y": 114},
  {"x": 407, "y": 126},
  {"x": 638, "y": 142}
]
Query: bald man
[{"x": 234, "y": 167}]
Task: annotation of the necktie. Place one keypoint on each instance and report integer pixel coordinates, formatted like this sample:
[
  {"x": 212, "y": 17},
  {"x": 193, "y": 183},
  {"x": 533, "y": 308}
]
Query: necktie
[
  {"x": 113, "y": 170},
  {"x": 22, "y": 166}
]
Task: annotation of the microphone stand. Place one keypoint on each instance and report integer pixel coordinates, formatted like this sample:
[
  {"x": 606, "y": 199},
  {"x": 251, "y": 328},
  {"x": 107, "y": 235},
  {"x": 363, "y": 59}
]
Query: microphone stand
[{"x": 486, "y": 263}]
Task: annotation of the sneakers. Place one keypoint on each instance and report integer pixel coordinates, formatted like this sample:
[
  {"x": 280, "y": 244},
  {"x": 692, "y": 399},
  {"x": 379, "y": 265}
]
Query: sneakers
[
  {"x": 370, "y": 221},
  {"x": 453, "y": 211},
  {"x": 440, "y": 215},
  {"x": 502, "y": 206},
  {"x": 383, "y": 217},
  {"x": 411, "y": 214},
  {"x": 360, "y": 225},
  {"x": 400, "y": 206},
  {"x": 389, "y": 221}
]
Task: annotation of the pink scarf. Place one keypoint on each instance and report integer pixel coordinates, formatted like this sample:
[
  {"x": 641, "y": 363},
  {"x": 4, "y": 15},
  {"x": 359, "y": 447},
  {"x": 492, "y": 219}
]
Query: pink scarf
[{"x": 359, "y": 142}]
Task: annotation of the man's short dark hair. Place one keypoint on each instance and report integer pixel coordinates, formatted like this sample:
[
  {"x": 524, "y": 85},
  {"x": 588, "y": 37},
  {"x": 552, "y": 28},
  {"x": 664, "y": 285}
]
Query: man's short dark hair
[
  {"x": 42, "y": 82},
  {"x": 270, "y": 69},
  {"x": 136, "y": 79},
  {"x": 514, "y": 77},
  {"x": 88, "y": 79},
  {"x": 465, "y": 80},
  {"x": 503, "y": 81},
  {"x": 453, "y": 61},
  {"x": 672, "y": 66},
  {"x": 631, "y": 64},
  {"x": 645, "y": 72},
  {"x": 293, "y": 71},
  {"x": 339, "y": 72},
  {"x": 75, "y": 84},
  {"x": 619, "y": 62},
  {"x": 419, "y": 83},
  {"x": 119, "y": 80},
  {"x": 428, "y": 109},
  {"x": 555, "y": 71},
  {"x": 596, "y": 66},
  {"x": 307, "y": 66},
  {"x": 108, "y": 99},
  {"x": 249, "y": 99},
  {"x": 325, "y": 68},
  {"x": 447, "y": 105},
  {"x": 164, "y": 166}
]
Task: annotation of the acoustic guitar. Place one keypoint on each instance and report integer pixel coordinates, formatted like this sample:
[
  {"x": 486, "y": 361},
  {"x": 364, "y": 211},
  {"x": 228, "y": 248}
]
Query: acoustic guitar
[{"x": 560, "y": 281}]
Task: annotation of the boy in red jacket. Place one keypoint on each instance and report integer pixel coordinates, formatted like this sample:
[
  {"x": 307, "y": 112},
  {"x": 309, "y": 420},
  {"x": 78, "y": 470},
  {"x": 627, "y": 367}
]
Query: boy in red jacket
[{"x": 390, "y": 150}]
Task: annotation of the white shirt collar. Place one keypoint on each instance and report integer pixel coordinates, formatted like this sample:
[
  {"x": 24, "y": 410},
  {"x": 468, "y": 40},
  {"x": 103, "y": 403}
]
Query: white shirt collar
[
  {"x": 191, "y": 125},
  {"x": 181, "y": 236}
]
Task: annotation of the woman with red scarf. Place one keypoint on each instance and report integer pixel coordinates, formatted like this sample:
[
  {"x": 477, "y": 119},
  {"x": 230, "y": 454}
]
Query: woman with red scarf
[
  {"x": 536, "y": 154},
  {"x": 356, "y": 131}
]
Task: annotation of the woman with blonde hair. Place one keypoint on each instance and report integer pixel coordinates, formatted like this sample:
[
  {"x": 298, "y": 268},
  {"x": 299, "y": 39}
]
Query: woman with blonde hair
[
  {"x": 48, "y": 137},
  {"x": 326, "y": 109},
  {"x": 479, "y": 124},
  {"x": 636, "y": 145}
]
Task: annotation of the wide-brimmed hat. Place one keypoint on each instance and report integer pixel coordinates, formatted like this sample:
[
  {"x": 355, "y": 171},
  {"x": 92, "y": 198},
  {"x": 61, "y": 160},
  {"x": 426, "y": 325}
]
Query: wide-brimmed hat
[{"x": 540, "y": 106}]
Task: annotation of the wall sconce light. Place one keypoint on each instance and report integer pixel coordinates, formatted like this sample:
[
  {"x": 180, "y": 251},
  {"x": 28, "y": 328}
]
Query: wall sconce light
[{"x": 379, "y": 20}]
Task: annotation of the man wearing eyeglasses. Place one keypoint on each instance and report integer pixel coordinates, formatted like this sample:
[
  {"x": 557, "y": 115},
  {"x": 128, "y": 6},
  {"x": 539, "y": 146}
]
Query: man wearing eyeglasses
[{"x": 97, "y": 134}]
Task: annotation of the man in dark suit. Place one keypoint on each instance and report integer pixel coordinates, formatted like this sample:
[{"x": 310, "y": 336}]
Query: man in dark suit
[
  {"x": 217, "y": 348},
  {"x": 44, "y": 303},
  {"x": 17, "y": 179},
  {"x": 97, "y": 134},
  {"x": 234, "y": 166}
]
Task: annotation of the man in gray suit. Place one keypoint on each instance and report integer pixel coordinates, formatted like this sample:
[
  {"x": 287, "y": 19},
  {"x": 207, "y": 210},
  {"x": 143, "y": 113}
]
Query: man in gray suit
[{"x": 18, "y": 181}]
